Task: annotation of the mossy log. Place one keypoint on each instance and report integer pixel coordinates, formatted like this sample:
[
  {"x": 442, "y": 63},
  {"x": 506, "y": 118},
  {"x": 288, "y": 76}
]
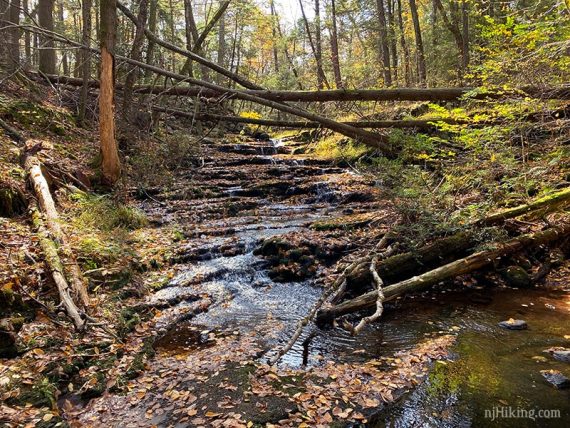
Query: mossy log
[
  {"x": 546, "y": 203},
  {"x": 47, "y": 205},
  {"x": 451, "y": 270},
  {"x": 49, "y": 249}
]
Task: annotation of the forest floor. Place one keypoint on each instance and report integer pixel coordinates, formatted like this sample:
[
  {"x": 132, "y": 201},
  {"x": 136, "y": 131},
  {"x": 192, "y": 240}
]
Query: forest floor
[{"x": 201, "y": 268}]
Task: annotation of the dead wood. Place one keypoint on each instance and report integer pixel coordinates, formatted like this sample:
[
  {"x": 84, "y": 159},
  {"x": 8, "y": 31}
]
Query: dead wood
[{"x": 451, "y": 270}]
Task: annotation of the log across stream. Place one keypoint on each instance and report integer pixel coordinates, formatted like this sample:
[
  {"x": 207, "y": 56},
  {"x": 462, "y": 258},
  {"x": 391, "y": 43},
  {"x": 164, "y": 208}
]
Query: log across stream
[{"x": 277, "y": 195}]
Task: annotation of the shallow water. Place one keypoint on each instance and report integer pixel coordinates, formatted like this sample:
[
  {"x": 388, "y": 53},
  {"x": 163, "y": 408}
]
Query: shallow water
[{"x": 492, "y": 367}]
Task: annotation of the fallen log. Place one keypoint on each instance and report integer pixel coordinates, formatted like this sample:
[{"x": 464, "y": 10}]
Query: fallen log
[
  {"x": 415, "y": 124},
  {"x": 47, "y": 206},
  {"x": 51, "y": 246},
  {"x": 432, "y": 255},
  {"x": 336, "y": 95},
  {"x": 546, "y": 203},
  {"x": 376, "y": 141},
  {"x": 49, "y": 249},
  {"x": 451, "y": 270}
]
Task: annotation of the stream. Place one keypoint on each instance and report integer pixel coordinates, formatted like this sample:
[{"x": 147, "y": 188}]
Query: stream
[{"x": 258, "y": 190}]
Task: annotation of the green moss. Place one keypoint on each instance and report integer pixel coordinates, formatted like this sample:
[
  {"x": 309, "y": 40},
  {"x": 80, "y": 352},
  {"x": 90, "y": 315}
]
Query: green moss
[
  {"x": 127, "y": 321},
  {"x": 138, "y": 364},
  {"x": 42, "y": 393}
]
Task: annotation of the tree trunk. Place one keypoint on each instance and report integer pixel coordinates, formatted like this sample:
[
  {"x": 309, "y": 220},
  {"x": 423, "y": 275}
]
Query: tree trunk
[
  {"x": 384, "y": 47},
  {"x": 334, "y": 48},
  {"x": 47, "y": 48},
  {"x": 404, "y": 44},
  {"x": 465, "y": 30},
  {"x": 27, "y": 35},
  {"x": 321, "y": 77},
  {"x": 85, "y": 58},
  {"x": 421, "y": 61},
  {"x": 61, "y": 25},
  {"x": 396, "y": 94},
  {"x": 5, "y": 63},
  {"x": 392, "y": 38},
  {"x": 319, "y": 47},
  {"x": 424, "y": 125},
  {"x": 222, "y": 44},
  {"x": 110, "y": 165},
  {"x": 274, "y": 34},
  {"x": 136, "y": 54},
  {"x": 451, "y": 270},
  {"x": 14, "y": 40},
  {"x": 286, "y": 51},
  {"x": 152, "y": 18}
]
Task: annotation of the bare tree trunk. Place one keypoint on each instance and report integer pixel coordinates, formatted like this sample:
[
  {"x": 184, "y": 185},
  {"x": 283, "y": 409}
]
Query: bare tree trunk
[
  {"x": 404, "y": 44},
  {"x": 153, "y": 10},
  {"x": 136, "y": 54},
  {"x": 191, "y": 35},
  {"x": 15, "y": 7},
  {"x": 451, "y": 270},
  {"x": 61, "y": 24},
  {"x": 465, "y": 29},
  {"x": 334, "y": 48},
  {"x": 384, "y": 49},
  {"x": 5, "y": 63},
  {"x": 222, "y": 42},
  {"x": 85, "y": 58},
  {"x": 27, "y": 35},
  {"x": 321, "y": 78},
  {"x": 421, "y": 61},
  {"x": 288, "y": 56},
  {"x": 452, "y": 24},
  {"x": 47, "y": 48},
  {"x": 274, "y": 34},
  {"x": 110, "y": 165},
  {"x": 392, "y": 39}
]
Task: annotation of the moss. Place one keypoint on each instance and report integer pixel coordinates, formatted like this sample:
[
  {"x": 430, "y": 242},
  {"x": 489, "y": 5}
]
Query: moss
[
  {"x": 97, "y": 386},
  {"x": 42, "y": 393},
  {"x": 138, "y": 364},
  {"x": 127, "y": 321}
]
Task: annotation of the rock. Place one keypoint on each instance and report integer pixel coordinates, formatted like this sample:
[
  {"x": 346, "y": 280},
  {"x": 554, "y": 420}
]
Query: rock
[
  {"x": 516, "y": 276},
  {"x": 556, "y": 378},
  {"x": 512, "y": 324},
  {"x": 559, "y": 353}
]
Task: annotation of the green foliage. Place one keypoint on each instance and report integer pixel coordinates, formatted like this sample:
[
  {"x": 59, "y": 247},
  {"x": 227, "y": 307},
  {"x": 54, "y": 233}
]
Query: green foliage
[
  {"x": 523, "y": 49},
  {"x": 105, "y": 214},
  {"x": 338, "y": 148}
]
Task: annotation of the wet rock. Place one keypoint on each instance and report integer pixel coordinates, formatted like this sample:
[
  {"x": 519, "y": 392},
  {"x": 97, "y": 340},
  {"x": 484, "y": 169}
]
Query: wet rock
[
  {"x": 559, "y": 353},
  {"x": 556, "y": 378},
  {"x": 7, "y": 339},
  {"x": 516, "y": 276},
  {"x": 513, "y": 324},
  {"x": 12, "y": 200}
]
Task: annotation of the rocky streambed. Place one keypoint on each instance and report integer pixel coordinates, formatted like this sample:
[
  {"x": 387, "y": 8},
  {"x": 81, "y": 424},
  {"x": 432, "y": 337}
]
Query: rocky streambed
[{"x": 259, "y": 225}]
